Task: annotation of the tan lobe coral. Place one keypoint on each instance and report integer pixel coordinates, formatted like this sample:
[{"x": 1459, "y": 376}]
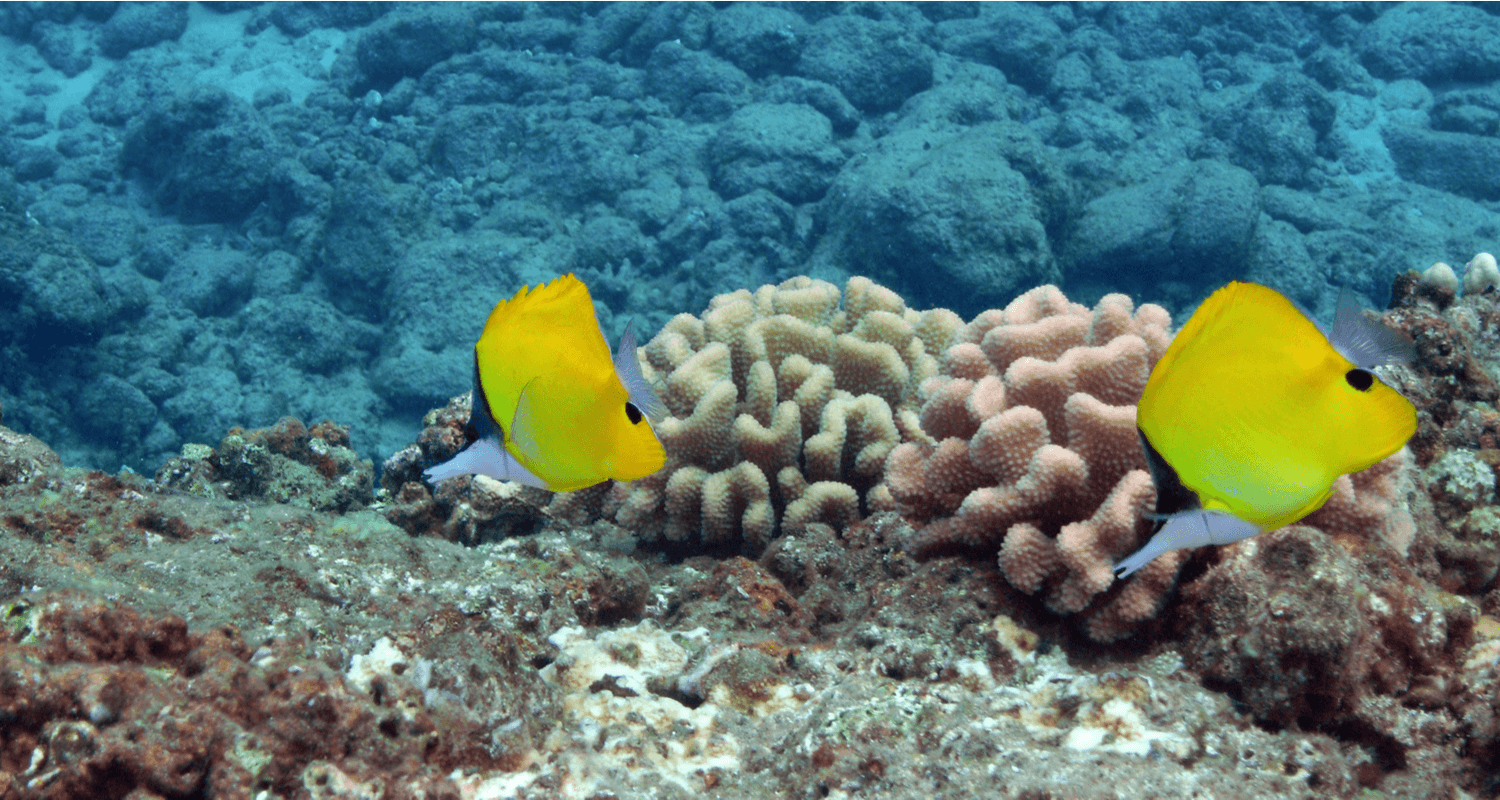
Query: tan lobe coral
[{"x": 801, "y": 383}]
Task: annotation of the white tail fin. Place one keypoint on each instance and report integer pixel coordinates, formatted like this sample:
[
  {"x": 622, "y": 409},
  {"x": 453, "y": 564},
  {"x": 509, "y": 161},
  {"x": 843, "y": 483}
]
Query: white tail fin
[
  {"x": 1188, "y": 529},
  {"x": 484, "y": 457}
]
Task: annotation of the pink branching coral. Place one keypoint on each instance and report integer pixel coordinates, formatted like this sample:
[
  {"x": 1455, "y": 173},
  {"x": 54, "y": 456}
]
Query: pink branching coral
[
  {"x": 784, "y": 404},
  {"x": 1035, "y": 453}
]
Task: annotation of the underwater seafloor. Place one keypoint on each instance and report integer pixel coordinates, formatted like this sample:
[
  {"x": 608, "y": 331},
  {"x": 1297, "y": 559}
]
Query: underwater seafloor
[{"x": 900, "y": 465}]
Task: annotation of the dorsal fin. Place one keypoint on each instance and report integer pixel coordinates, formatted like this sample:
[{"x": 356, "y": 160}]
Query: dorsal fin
[
  {"x": 628, "y": 370},
  {"x": 1367, "y": 342}
]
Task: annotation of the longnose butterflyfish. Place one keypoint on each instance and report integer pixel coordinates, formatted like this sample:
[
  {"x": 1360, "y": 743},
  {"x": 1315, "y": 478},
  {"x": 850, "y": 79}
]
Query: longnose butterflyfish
[
  {"x": 1254, "y": 411},
  {"x": 551, "y": 408}
]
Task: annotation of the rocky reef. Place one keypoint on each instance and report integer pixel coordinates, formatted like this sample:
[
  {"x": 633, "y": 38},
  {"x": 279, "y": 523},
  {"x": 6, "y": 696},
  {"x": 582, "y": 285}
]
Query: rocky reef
[
  {"x": 901, "y": 269},
  {"x": 254, "y": 621}
]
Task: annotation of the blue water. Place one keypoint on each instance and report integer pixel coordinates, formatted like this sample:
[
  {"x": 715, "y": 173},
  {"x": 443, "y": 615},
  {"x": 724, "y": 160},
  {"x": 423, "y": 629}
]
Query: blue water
[{"x": 220, "y": 214}]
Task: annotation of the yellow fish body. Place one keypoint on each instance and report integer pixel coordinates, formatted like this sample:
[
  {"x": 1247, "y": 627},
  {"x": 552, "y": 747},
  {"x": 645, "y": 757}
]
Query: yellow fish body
[
  {"x": 1254, "y": 411},
  {"x": 551, "y": 408}
]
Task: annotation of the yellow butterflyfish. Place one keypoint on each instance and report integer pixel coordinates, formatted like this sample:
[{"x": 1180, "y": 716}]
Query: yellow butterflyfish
[
  {"x": 551, "y": 408},
  {"x": 1254, "y": 411}
]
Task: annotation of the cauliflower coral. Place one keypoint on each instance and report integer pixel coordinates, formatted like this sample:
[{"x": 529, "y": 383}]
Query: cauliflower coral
[
  {"x": 783, "y": 406},
  {"x": 1036, "y": 453}
]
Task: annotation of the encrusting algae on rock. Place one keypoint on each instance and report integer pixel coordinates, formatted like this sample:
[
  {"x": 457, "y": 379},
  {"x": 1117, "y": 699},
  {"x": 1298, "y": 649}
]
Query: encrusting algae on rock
[{"x": 285, "y": 463}]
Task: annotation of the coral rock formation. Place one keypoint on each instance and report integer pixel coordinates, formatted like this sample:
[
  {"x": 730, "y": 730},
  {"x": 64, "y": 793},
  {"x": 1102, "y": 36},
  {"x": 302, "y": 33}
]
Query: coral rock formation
[
  {"x": 1300, "y": 629},
  {"x": 285, "y": 463}
]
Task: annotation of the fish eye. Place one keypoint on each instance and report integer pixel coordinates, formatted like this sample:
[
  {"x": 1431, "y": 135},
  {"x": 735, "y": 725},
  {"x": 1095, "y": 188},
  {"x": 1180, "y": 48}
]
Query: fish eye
[
  {"x": 633, "y": 413},
  {"x": 1361, "y": 379}
]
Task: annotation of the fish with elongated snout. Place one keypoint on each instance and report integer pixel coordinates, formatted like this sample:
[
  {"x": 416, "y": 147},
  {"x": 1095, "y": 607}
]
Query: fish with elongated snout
[
  {"x": 1254, "y": 411},
  {"x": 551, "y": 407}
]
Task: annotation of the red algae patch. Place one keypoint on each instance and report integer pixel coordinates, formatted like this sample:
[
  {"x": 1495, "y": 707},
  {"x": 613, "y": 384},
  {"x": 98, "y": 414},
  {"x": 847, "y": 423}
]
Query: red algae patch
[{"x": 98, "y": 700}]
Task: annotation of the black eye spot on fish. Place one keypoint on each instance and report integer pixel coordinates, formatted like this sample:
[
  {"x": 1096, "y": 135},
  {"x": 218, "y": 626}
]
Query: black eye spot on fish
[
  {"x": 633, "y": 413},
  {"x": 1360, "y": 379}
]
